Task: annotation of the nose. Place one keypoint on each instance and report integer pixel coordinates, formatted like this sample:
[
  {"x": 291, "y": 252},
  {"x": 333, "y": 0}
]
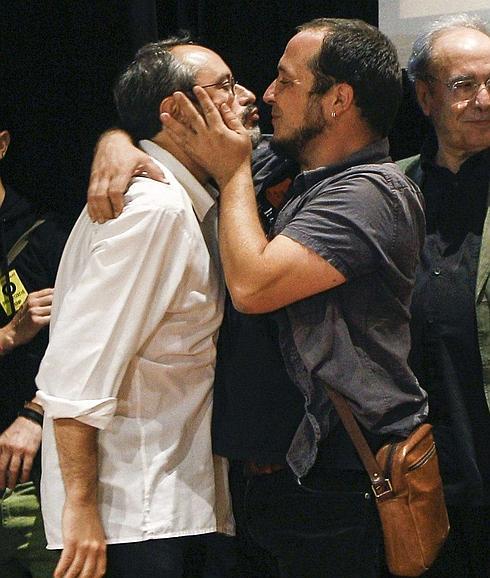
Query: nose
[
  {"x": 269, "y": 97},
  {"x": 244, "y": 95},
  {"x": 482, "y": 97}
]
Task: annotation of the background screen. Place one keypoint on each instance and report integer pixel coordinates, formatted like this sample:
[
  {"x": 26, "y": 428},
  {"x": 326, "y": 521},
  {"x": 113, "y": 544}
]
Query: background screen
[{"x": 402, "y": 20}]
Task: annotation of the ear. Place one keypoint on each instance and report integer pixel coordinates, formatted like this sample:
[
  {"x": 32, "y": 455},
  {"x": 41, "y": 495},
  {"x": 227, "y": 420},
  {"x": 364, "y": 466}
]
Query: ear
[
  {"x": 4, "y": 142},
  {"x": 168, "y": 105},
  {"x": 340, "y": 101},
  {"x": 424, "y": 96}
]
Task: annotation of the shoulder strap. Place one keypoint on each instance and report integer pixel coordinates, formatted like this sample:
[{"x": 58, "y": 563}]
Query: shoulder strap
[
  {"x": 22, "y": 242},
  {"x": 381, "y": 487}
]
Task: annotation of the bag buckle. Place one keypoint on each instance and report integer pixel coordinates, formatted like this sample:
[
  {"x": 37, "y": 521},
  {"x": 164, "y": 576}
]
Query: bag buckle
[{"x": 382, "y": 488}]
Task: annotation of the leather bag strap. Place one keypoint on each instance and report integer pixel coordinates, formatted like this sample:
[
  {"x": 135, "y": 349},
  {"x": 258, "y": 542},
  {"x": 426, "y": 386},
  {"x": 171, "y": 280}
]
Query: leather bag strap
[{"x": 381, "y": 486}]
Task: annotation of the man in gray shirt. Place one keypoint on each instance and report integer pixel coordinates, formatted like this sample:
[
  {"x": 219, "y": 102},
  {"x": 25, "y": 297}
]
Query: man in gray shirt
[{"x": 335, "y": 274}]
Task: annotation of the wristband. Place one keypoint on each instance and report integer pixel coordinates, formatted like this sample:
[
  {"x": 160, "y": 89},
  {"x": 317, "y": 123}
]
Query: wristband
[{"x": 31, "y": 415}]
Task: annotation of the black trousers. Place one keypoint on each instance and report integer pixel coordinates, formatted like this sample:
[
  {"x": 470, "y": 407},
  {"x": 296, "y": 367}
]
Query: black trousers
[
  {"x": 327, "y": 527},
  {"x": 206, "y": 556}
]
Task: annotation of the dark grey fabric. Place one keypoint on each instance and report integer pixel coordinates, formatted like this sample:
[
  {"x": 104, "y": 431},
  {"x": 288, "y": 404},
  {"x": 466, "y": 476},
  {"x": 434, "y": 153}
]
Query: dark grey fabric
[{"x": 366, "y": 218}]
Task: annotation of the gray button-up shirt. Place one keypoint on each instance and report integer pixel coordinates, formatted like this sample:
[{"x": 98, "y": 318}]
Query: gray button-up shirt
[{"x": 366, "y": 218}]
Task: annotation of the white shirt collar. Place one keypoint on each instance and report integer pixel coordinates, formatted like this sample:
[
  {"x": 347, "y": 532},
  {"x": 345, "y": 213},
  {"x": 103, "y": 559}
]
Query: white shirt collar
[{"x": 202, "y": 198}]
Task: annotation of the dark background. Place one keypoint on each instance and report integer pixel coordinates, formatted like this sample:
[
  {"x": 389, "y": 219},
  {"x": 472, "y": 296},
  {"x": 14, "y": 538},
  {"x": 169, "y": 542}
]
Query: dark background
[{"x": 59, "y": 60}]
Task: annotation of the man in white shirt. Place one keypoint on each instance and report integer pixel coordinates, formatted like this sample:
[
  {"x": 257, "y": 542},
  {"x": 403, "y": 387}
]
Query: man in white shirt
[{"x": 126, "y": 382}]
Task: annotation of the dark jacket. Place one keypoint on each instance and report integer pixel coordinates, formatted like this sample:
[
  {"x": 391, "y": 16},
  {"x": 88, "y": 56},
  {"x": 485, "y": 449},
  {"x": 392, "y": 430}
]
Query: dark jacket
[
  {"x": 36, "y": 267},
  {"x": 456, "y": 386}
]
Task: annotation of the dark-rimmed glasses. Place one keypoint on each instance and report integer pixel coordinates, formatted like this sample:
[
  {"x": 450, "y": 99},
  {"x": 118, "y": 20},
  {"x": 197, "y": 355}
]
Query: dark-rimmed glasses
[{"x": 227, "y": 84}]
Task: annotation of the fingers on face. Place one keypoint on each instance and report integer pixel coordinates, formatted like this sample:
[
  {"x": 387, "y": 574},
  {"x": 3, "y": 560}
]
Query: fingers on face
[
  {"x": 230, "y": 118},
  {"x": 186, "y": 112},
  {"x": 189, "y": 115},
  {"x": 207, "y": 105}
]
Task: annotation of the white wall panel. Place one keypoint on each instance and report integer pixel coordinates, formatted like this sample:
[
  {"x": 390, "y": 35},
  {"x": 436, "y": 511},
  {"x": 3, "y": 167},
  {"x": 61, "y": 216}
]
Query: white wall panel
[{"x": 402, "y": 20}]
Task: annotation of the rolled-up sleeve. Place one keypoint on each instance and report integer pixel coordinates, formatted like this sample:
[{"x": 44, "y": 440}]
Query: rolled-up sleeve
[
  {"x": 115, "y": 283},
  {"x": 95, "y": 412}
]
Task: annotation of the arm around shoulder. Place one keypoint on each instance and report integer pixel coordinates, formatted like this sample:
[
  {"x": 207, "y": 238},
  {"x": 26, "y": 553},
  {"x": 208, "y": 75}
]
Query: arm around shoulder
[{"x": 116, "y": 161}]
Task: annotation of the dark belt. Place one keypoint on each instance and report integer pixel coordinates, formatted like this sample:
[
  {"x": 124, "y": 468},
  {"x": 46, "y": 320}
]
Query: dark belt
[{"x": 251, "y": 468}]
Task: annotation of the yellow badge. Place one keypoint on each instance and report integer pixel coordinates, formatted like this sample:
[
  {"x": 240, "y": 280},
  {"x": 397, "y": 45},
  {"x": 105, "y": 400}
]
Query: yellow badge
[{"x": 17, "y": 290}]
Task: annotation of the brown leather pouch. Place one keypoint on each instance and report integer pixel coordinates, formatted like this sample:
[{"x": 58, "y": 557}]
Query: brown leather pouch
[
  {"x": 413, "y": 516},
  {"x": 408, "y": 489}
]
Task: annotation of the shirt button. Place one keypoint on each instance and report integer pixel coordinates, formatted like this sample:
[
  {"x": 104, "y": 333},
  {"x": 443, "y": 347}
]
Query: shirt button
[{"x": 436, "y": 271}]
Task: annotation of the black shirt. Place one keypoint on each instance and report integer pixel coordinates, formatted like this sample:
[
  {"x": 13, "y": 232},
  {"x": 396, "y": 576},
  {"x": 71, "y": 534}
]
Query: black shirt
[
  {"x": 35, "y": 267},
  {"x": 445, "y": 354},
  {"x": 257, "y": 408}
]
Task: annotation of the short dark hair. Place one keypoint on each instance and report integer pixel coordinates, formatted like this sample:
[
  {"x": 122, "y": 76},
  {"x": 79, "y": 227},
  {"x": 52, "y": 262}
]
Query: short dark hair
[
  {"x": 360, "y": 55},
  {"x": 154, "y": 74}
]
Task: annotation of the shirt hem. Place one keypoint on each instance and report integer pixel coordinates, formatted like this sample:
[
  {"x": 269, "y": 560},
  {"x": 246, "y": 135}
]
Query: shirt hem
[{"x": 228, "y": 530}]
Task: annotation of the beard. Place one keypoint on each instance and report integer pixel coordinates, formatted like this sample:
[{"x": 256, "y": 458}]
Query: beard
[
  {"x": 255, "y": 135},
  {"x": 294, "y": 145},
  {"x": 253, "y": 129}
]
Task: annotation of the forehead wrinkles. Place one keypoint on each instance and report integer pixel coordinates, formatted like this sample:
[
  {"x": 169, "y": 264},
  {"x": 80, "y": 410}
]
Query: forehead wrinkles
[{"x": 461, "y": 51}]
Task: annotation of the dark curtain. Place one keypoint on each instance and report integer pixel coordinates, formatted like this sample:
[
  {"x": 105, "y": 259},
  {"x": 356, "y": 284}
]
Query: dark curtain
[
  {"x": 143, "y": 26},
  {"x": 60, "y": 59}
]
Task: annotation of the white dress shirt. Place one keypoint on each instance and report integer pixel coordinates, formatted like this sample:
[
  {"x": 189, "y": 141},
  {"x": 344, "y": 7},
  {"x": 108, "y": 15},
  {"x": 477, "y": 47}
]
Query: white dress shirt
[{"x": 137, "y": 306}]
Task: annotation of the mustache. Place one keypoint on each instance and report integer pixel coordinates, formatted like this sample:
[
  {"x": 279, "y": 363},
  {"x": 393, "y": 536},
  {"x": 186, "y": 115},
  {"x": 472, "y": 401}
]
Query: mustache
[{"x": 249, "y": 110}]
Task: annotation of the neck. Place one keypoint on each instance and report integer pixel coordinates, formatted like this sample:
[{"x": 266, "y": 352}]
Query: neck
[
  {"x": 334, "y": 145},
  {"x": 200, "y": 174},
  {"x": 452, "y": 159}
]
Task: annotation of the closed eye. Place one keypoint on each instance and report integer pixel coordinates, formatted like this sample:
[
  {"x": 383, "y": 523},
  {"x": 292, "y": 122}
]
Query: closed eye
[{"x": 464, "y": 84}]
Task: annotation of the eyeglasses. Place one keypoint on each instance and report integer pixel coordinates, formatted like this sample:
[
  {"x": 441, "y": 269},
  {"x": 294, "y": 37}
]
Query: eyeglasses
[
  {"x": 464, "y": 89},
  {"x": 228, "y": 84}
]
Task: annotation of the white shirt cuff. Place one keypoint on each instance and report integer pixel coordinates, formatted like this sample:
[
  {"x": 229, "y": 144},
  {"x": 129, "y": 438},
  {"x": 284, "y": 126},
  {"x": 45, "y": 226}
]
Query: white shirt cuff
[{"x": 94, "y": 412}]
